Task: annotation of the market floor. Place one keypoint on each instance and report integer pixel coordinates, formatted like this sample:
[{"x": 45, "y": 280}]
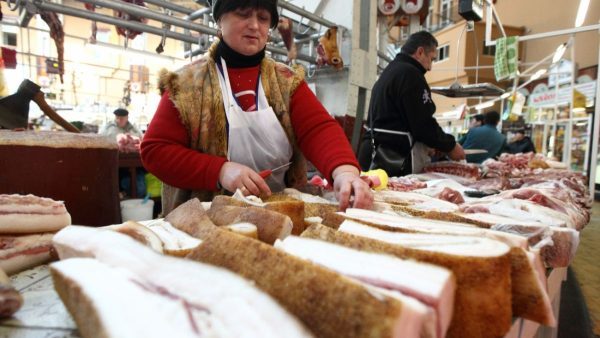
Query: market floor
[{"x": 583, "y": 280}]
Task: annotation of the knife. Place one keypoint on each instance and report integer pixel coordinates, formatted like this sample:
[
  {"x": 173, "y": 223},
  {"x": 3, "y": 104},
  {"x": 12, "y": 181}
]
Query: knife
[{"x": 266, "y": 173}]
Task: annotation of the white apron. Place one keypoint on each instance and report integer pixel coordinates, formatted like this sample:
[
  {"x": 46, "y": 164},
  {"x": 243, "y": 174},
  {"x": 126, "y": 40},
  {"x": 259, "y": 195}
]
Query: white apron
[
  {"x": 256, "y": 138},
  {"x": 419, "y": 152}
]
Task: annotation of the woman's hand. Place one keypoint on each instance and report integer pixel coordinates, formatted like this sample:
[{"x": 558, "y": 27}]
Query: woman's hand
[
  {"x": 347, "y": 183},
  {"x": 235, "y": 176}
]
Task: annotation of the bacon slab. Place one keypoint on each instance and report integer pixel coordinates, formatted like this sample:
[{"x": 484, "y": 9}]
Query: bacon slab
[{"x": 21, "y": 214}]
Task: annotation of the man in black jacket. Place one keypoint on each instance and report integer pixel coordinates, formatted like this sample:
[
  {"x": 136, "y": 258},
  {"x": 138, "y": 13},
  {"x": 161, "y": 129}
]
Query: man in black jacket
[{"x": 401, "y": 111}]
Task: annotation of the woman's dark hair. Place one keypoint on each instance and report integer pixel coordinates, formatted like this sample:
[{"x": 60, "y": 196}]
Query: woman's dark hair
[
  {"x": 221, "y": 7},
  {"x": 478, "y": 118},
  {"x": 419, "y": 39}
]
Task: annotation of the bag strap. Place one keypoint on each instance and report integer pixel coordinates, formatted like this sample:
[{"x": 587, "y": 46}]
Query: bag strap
[{"x": 387, "y": 131}]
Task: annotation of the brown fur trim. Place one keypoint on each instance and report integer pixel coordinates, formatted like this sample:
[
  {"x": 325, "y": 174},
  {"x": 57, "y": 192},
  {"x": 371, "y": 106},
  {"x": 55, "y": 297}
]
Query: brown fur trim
[{"x": 167, "y": 81}]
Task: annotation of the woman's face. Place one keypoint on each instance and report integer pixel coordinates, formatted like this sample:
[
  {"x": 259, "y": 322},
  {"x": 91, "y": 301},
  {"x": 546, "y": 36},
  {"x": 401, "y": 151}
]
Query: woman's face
[{"x": 246, "y": 30}]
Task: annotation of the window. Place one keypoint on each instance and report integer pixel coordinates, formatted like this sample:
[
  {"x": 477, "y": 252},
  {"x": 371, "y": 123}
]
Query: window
[
  {"x": 443, "y": 52},
  {"x": 9, "y": 39},
  {"x": 445, "y": 9},
  {"x": 489, "y": 50}
]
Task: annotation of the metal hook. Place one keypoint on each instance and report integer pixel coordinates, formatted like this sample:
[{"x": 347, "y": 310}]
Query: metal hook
[{"x": 17, "y": 4}]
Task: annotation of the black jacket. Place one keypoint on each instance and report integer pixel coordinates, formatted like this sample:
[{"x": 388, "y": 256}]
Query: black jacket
[{"x": 401, "y": 100}]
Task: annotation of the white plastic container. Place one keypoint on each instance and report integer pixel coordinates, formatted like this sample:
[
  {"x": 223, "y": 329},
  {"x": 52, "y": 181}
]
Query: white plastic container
[{"x": 135, "y": 210}]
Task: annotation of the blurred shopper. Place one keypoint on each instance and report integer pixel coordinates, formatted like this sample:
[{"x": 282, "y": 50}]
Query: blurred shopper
[
  {"x": 474, "y": 122},
  {"x": 120, "y": 125},
  {"x": 486, "y": 137},
  {"x": 520, "y": 143}
]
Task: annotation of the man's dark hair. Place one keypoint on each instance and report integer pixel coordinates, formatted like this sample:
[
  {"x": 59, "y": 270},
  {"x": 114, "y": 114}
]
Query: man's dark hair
[
  {"x": 478, "y": 118},
  {"x": 419, "y": 39},
  {"x": 491, "y": 118},
  {"x": 121, "y": 112},
  {"x": 221, "y": 7}
]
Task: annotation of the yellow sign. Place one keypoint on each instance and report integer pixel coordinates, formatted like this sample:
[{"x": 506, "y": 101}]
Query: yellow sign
[{"x": 578, "y": 99}]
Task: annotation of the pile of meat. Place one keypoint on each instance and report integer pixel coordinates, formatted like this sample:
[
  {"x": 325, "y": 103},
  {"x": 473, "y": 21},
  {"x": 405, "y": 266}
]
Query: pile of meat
[
  {"x": 128, "y": 143},
  {"x": 430, "y": 262}
]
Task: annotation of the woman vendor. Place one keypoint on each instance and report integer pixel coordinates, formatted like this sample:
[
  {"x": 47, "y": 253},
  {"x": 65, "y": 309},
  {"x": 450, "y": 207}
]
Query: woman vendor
[{"x": 236, "y": 112}]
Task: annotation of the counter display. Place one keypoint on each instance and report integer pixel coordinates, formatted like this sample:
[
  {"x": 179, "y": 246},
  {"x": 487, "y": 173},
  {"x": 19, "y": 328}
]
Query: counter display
[{"x": 430, "y": 260}]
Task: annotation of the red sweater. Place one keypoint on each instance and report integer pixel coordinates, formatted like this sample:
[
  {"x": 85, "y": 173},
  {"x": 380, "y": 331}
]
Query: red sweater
[{"x": 165, "y": 148}]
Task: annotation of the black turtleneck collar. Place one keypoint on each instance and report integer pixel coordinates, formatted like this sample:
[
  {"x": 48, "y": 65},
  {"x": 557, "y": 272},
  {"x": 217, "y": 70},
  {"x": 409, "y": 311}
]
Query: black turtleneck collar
[
  {"x": 235, "y": 59},
  {"x": 407, "y": 58}
]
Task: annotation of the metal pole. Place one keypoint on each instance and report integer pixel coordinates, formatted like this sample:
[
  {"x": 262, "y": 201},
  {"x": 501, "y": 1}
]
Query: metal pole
[
  {"x": 594, "y": 139},
  {"x": 48, "y": 6},
  {"x": 569, "y": 134},
  {"x": 198, "y": 14},
  {"x": 302, "y": 12},
  {"x": 270, "y": 48},
  {"x": 147, "y": 13},
  {"x": 170, "y": 5},
  {"x": 569, "y": 31}
]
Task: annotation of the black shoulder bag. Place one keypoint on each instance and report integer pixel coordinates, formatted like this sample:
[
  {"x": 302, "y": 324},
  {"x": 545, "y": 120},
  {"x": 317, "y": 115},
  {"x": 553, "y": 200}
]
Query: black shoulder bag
[{"x": 386, "y": 157}]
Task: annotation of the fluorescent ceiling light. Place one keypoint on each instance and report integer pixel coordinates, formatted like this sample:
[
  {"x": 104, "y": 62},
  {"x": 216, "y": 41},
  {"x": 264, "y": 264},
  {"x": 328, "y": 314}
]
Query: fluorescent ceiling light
[
  {"x": 583, "y": 7},
  {"x": 578, "y": 110},
  {"x": 560, "y": 51},
  {"x": 538, "y": 74},
  {"x": 132, "y": 52},
  {"x": 484, "y": 105},
  {"x": 505, "y": 95}
]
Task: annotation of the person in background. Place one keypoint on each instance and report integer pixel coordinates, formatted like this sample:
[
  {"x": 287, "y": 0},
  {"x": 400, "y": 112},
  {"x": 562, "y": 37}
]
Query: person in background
[
  {"x": 127, "y": 137},
  {"x": 236, "y": 112},
  {"x": 402, "y": 109},
  {"x": 474, "y": 122},
  {"x": 120, "y": 125},
  {"x": 486, "y": 137},
  {"x": 520, "y": 143}
]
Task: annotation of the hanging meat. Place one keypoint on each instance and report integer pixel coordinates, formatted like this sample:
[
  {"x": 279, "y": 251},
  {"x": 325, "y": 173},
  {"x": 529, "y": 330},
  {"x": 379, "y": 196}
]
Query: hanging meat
[
  {"x": 328, "y": 49},
  {"x": 92, "y": 8},
  {"x": 130, "y": 33},
  {"x": 58, "y": 35},
  {"x": 285, "y": 29}
]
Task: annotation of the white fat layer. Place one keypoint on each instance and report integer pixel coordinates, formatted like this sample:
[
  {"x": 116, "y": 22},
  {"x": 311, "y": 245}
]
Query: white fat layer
[
  {"x": 497, "y": 219},
  {"x": 452, "y": 245},
  {"x": 435, "y": 227},
  {"x": 415, "y": 200},
  {"x": 307, "y": 198},
  {"x": 426, "y": 280},
  {"x": 57, "y": 208},
  {"x": 243, "y": 227},
  {"x": 430, "y": 284},
  {"x": 527, "y": 211},
  {"x": 33, "y": 223},
  {"x": 242, "y": 308},
  {"x": 172, "y": 238},
  {"x": 150, "y": 238},
  {"x": 121, "y": 304},
  {"x": 251, "y": 200}
]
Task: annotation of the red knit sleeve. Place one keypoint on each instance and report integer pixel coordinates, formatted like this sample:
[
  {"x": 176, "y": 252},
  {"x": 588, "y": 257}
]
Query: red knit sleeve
[
  {"x": 319, "y": 136},
  {"x": 165, "y": 152}
]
